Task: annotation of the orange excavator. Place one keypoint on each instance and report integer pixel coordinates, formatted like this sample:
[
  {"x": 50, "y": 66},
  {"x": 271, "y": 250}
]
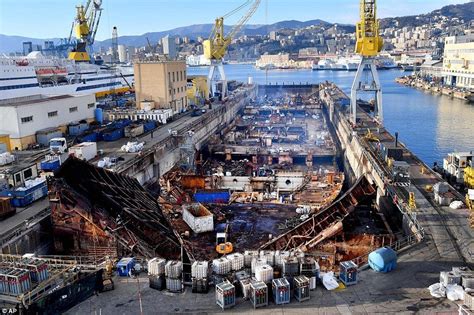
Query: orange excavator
[{"x": 223, "y": 247}]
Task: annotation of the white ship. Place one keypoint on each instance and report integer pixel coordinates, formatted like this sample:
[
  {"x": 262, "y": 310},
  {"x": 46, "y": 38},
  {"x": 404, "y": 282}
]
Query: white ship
[
  {"x": 323, "y": 64},
  {"x": 346, "y": 64},
  {"x": 38, "y": 74}
]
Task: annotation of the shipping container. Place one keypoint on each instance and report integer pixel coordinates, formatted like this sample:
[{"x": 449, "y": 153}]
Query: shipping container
[
  {"x": 149, "y": 125},
  {"x": 212, "y": 196},
  {"x": 84, "y": 151},
  {"x": 198, "y": 218},
  {"x": 23, "y": 196},
  {"x": 89, "y": 136},
  {"x": 51, "y": 163},
  {"x": 77, "y": 128}
]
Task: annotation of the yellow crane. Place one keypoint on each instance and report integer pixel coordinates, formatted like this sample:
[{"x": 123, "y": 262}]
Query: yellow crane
[
  {"x": 369, "y": 44},
  {"x": 85, "y": 27},
  {"x": 216, "y": 46}
]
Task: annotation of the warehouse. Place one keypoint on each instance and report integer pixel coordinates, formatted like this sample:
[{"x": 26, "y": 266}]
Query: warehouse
[{"x": 23, "y": 117}]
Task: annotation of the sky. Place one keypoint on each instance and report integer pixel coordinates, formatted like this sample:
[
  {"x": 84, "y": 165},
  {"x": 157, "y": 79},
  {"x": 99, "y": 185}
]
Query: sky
[{"x": 53, "y": 18}]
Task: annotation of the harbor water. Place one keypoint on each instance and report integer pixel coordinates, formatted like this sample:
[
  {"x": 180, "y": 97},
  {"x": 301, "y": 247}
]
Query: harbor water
[{"x": 430, "y": 125}]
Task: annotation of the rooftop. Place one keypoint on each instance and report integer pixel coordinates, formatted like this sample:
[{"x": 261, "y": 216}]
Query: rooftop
[{"x": 34, "y": 99}]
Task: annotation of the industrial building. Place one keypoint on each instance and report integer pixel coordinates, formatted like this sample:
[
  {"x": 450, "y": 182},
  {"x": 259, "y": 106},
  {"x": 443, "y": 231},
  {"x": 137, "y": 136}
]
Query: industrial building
[
  {"x": 161, "y": 84},
  {"x": 458, "y": 64},
  {"x": 23, "y": 117}
]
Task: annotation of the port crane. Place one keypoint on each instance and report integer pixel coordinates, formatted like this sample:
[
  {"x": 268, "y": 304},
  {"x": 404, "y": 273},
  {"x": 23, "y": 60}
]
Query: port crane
[
  {"x": 216, "y": 46},
  {"x": 85, "y": 26},
  {"x": 369, "y": 44}
]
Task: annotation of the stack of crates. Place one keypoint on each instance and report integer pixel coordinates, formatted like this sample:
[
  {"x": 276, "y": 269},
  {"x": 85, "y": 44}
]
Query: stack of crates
[
  {"x": 281, "y": 291},
  {"x": 38, "y": 268},
  {"x": 156, "y": 273},
  {"x": 14, "y": 281},
  {"x": 348, "y": 272},
  {"x": 242, "y": 283},
  {"x": 199, "y": 274},
  {"x": 301, "y": 285},
  {"x": 225, "y": 295},
  {"x": 309, "y": 267},
  {"x": 173, "y": 272},
  {"x": 290, "y": 268},
  {"x": 258, "y": 294}
]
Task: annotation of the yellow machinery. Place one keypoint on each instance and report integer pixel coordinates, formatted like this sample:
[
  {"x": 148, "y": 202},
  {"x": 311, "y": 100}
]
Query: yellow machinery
[
  {"x": 216, "y": 46},
  {"x": 224, "y": 247},
  {"x": 85, "y": 27},
  {"x": 369, "y": 136},
  {"x": 469, "y": 177},
  {"x": 470, "y": 206},
  {"x": 412, "y": 201},
  {"x": 369, "y": 44}
]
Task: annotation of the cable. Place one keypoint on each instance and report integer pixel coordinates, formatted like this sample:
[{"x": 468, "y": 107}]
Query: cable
[{"x": 237, "y": 9}]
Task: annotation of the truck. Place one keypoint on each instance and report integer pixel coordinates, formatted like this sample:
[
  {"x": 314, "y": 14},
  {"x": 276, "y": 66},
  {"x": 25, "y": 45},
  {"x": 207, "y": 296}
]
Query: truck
[
  {"x": 57, "y": 145},
  {"x": 85, "y": 151}
]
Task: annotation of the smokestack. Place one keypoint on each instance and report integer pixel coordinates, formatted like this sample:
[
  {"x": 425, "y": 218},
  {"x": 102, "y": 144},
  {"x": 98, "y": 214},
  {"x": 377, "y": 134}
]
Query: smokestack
[{"x": 396, "y": 139}]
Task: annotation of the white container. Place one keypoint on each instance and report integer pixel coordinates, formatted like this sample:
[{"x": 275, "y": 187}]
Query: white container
[
  {"x": 236, "y": 261},
  {"x": 264, "y": 273},
  {"x": 249, "y": 255},
  {"x": 156, "y": 266},
  {"x": 256, "y": 262},
  {"x": 279, "y": 255},
  {"x": 221, "y": 266},
  {"x": 85, "y": 151},
  {"x": 198, "y": 218},
  {"x": 200, "y": 269},
  {"x": 269, "y": 256},
  {"x": 174, "y": 285},
  {"x": 448, "y": 277},
  {"x": 173, "y": 269},
  {"x": 245, "y": 285}
]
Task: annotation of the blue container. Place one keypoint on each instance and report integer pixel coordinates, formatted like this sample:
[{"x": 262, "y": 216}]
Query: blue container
[
  {"x": 121, "y": 123},
  {"x": 348, "y": 272},
  {"x": 125, "y": 266},
  {"x": 383, "y": 259},
  {"x": 23, "y": 198},
  {"x": 281, "y": 291},
  {"x": 51, "y": 165},
  {"x": 149, "y": 125},
  {"x": 112, "y": 134},
  {"x": 99, "y": 115},
  {"x": 75, "y": 129},
  {"x": 212, "y": 196},
  {"x": 89, "y": 136}
]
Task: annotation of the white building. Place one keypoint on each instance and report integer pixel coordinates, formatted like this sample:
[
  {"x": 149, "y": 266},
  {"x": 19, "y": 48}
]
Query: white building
[
  {"x": 23, "y": 117},
  {"x": 122, "y": 53},
  {"x": 458, "y": 63},
  {"x": 169, "y": 47}
]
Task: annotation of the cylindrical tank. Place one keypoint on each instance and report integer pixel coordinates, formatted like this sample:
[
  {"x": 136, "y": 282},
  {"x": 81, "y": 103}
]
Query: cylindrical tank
[
  {"x": 383, "y": 259},
  {"x": 99, "y": 115}
]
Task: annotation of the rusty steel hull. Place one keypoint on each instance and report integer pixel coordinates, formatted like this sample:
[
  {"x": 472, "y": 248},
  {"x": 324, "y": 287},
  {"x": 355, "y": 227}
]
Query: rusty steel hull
[{"x": 323, "y": 224}]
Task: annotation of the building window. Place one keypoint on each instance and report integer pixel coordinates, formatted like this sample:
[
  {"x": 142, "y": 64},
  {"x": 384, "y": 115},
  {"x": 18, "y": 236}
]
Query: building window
[
  {"x": 73, "y": 109},
  {"x": 173, "y": 76},
  {"x": 27, "y": 173},
  {"x": 91, "y": 105},
  {"x": 53, "y": 114},
  {"x": 26, "y": 119}
]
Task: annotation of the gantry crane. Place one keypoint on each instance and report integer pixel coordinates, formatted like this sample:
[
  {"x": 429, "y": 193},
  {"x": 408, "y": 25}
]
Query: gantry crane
[
  {"x": 369, "y": 44},
  {"x": 216, "y": 46},
  {"x": 85, "y": 26}
]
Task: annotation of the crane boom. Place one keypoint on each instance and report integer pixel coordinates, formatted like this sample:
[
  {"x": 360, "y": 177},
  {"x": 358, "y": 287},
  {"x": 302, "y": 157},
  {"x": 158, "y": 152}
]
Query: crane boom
[{"x": 369, "y": 42}]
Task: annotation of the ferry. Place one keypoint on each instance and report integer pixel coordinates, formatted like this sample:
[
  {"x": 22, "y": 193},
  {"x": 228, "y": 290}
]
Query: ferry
[{"x": 39, "y": 74}]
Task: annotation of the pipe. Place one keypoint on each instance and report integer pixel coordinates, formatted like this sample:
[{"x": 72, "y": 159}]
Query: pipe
[{"x": 396, "y": 139}]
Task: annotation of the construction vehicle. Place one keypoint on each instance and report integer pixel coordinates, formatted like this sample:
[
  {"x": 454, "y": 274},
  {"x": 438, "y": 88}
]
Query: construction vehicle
[
  {"x": 85, "y": 26},
  {"x": 216, "y": 46},
  {"x": 369, "y": 44},
  {"x": 224, "y": 247},
  {"x": 369, "y": 136}
]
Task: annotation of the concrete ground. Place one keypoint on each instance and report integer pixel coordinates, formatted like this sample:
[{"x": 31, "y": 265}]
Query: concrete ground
[{"x": 403, "y": 291}]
